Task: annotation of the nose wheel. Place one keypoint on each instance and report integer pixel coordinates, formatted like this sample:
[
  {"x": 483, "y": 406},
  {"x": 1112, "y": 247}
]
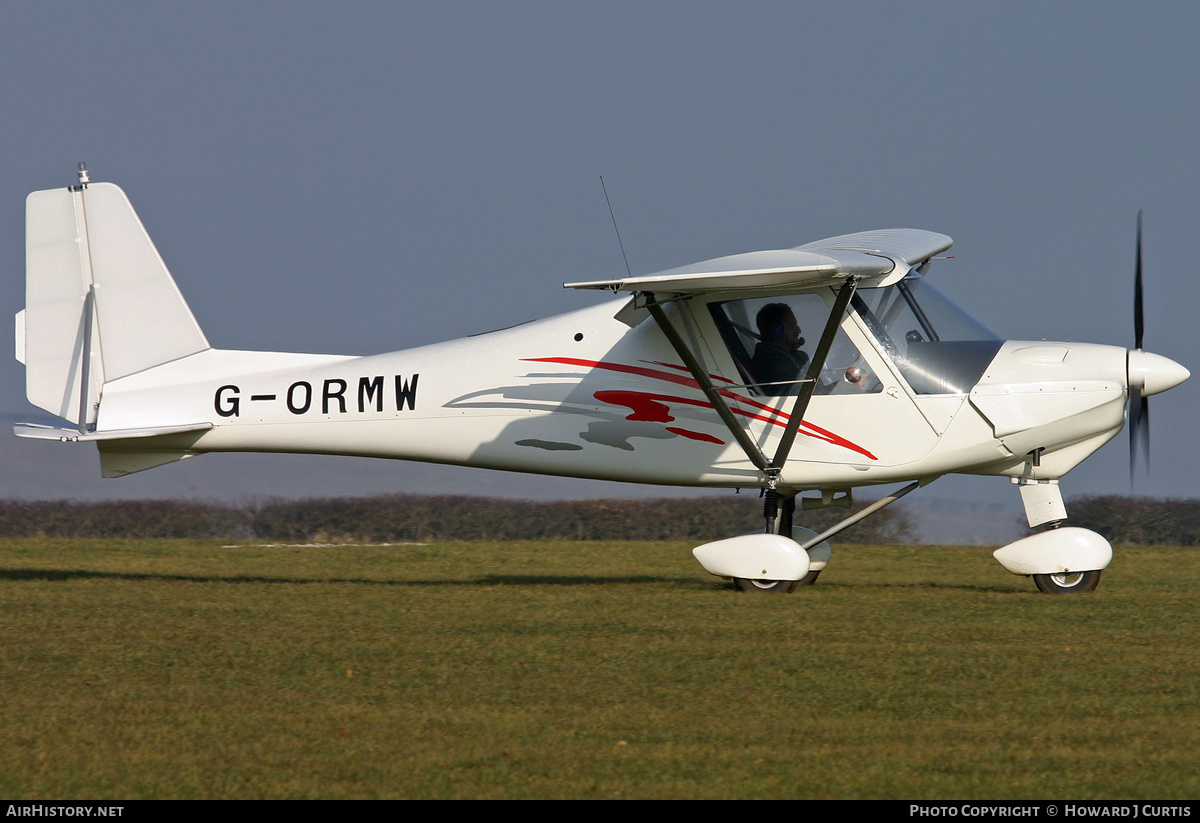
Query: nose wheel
[{"x": 1058, "y": 547}]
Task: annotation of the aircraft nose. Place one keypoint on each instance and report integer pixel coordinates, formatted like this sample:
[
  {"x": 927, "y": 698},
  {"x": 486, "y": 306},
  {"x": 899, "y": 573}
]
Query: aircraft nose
[{"x": 1153, "y": 373}]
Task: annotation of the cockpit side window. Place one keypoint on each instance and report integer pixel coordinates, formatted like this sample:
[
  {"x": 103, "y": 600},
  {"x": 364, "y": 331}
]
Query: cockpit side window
[{"x": 771, "y": 340}]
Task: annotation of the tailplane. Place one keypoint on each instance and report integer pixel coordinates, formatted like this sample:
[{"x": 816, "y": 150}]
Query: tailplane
[{"x": 99, "y": 302}]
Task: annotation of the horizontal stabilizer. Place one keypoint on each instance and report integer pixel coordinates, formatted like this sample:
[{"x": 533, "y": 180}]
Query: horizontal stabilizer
[{"x": 39, "y": 432}]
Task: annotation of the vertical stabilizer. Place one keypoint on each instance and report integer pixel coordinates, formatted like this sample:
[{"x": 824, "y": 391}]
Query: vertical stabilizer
[{"x": 99, "y": 302}]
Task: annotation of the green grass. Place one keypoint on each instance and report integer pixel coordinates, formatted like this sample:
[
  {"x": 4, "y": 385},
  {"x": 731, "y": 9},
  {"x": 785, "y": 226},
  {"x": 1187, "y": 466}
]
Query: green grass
[{"x": 186, "y": 669}]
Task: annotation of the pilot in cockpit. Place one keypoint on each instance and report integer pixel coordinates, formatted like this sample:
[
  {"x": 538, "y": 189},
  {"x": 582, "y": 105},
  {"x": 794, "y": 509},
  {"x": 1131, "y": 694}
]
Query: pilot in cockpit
[{"x": 777, "y": 356}]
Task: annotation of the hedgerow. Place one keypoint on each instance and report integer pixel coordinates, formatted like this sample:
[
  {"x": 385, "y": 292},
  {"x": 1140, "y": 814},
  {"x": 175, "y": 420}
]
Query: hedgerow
[{"x": 390, "y": 518}]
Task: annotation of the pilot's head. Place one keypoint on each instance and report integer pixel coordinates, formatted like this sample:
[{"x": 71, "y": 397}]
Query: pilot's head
[{"x": 777, "y": 326}]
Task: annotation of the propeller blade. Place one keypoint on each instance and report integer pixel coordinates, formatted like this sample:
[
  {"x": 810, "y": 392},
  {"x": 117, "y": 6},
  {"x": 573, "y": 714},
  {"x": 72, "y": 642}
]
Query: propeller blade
[
  {"x": 1139, "y": 405},
  {"x": 1144, "y": 431},
  {"x": 1139, "y": 431},
  {"x": 1138, "y": 322}
]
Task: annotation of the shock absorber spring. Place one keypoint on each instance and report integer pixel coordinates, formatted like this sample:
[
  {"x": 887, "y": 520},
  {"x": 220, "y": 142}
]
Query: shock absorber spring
[{"x": 771, "y": 509}]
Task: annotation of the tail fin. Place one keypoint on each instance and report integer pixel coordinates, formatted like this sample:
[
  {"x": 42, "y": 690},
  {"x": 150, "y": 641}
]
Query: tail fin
[{"x": 99, "y": 302}]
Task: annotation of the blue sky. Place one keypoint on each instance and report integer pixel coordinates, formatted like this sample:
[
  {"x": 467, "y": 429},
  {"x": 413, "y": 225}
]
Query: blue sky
[{"x": 363, "y": 177}]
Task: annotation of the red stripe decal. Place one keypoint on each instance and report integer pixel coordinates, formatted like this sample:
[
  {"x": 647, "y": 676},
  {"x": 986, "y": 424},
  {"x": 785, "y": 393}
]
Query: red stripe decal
[
  {"x": 644, "y": 406},
  {"x": 706, "y": 438},
  {"x": 647, "y": 406}
]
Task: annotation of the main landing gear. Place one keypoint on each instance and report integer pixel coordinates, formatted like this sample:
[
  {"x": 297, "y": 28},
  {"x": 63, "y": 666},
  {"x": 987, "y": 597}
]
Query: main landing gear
[
  {"x": 784, "y": 509},
  {"x": 784, "y": 557}
]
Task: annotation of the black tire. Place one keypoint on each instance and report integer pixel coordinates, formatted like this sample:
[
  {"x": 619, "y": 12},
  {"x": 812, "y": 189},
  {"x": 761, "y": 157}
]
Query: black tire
[
  {"x": 765, "y": 586},
  {"x": 1067, "y": 582},
  {"x": 808, "y": 579}
]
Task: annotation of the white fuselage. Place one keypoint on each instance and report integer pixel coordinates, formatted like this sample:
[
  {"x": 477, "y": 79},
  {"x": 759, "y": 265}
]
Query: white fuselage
[{"x": 588, "y": 395}]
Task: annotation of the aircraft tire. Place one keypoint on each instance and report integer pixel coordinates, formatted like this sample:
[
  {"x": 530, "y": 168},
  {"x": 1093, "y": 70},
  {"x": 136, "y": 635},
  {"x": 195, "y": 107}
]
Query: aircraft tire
[
  {"x": 765, "y": 586},
  {"x": 1069, "y": 583},
  {"x": 808, "y": 579}
]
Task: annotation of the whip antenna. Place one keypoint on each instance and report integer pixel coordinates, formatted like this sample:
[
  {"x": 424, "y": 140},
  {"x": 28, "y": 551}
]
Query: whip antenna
[{"x": 614, "y": 221}]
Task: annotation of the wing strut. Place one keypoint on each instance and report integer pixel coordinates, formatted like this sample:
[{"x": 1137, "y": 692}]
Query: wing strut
[
  {"x": 769, "y": 467},
  {"x": 706, "y": 385},
  {"x": 814, "y": 370}
]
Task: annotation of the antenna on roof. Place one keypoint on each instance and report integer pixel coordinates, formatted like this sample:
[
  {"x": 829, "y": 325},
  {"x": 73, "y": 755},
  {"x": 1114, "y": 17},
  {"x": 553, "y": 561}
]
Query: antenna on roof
[{"x": 614, "y": 222}]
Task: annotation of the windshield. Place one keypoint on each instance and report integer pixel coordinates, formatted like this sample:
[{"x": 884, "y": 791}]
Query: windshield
[{"x": 939, "y": 348}]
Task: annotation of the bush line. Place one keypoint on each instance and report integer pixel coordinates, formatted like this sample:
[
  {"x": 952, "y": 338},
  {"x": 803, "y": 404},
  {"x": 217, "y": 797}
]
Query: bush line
[{"x": 395, "y": 518}]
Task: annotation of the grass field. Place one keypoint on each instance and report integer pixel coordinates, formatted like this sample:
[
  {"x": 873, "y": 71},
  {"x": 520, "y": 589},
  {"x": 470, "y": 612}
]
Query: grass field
[{"x": 181, "y": 669}]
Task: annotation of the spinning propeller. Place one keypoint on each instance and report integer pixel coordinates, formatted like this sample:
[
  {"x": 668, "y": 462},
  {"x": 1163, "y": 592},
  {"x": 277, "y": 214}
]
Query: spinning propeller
[{"x": 1147, "y": 373}]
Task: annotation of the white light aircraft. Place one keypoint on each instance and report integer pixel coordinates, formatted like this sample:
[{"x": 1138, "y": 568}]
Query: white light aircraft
[{"x": 820, "y": 368}]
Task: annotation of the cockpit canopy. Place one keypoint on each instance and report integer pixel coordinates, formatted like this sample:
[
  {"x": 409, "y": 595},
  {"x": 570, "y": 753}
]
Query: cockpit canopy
[{"x": 936, "y": 346}]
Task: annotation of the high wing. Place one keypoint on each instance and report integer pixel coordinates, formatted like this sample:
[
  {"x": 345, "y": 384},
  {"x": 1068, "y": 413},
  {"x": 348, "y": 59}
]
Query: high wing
[
  {"x": 875, "y": 258},
  {"x": 849, "y": 261}
]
